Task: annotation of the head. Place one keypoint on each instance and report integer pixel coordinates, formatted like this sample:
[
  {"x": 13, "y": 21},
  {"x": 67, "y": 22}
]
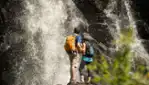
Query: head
[{"x": 77, "y": 30}]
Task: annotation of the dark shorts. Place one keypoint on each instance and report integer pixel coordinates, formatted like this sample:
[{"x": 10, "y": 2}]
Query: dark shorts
[
  {"x": 83, "y": 68},
  {"x": 87, "y": 59}
]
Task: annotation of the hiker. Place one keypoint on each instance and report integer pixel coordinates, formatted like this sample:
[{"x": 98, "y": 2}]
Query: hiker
[
  {"x": 73, "y": 47},
  {"x": 87, "y": 58}
]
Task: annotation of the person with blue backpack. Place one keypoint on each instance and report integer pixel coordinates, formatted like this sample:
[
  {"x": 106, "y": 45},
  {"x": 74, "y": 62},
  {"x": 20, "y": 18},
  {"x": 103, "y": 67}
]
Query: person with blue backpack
[{"x": 87, "y": 58}]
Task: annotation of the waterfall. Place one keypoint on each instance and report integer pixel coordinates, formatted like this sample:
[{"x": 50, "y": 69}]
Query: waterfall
[
  {"x": 35, "y": 39},
  {"x": 137, "y": 47},
  {"x": 42, "y": 59},
  {"x": 44, "y": 26},
  {"x": 45, "y": 21},
  {"x": 120, "y": 17}
]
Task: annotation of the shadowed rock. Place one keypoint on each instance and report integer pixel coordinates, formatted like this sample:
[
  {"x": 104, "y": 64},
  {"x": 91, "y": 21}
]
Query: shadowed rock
[{"x": 78, "y": 84}]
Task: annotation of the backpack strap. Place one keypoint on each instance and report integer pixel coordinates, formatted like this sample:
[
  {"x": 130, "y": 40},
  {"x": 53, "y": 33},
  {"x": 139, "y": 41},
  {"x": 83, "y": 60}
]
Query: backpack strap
[{"x": 78, "y": 39}]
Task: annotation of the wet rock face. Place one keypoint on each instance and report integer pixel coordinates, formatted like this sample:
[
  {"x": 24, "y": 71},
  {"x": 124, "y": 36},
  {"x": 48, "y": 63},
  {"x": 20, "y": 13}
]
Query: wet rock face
[
  {"x": 93, "y": 12},
  {"x": 143, "y": 30},
  {"x": 8, "y": 26},
  {"x": 141, "y": 13},
  {"x": 91, "y": 9},
  {"x": 142, "y": 16},
  {"x": 3, "y": 59},
  {"x": 141, "y": 8}
]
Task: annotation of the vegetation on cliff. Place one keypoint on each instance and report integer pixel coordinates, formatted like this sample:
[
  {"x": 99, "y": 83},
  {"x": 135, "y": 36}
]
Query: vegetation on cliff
[{"x": 120, "y": 70}]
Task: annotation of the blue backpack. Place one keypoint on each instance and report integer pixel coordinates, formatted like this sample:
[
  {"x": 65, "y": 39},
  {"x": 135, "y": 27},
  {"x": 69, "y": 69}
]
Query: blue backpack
[{"x": 89, "y": 49}]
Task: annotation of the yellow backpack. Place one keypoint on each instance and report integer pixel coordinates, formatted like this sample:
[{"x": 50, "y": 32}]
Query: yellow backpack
[{"x": 70, "y": 43}]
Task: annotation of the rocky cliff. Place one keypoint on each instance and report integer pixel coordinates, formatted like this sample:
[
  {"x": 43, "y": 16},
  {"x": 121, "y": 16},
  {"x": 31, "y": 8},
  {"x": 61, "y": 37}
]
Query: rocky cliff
[{"x": 92, "y": 11}]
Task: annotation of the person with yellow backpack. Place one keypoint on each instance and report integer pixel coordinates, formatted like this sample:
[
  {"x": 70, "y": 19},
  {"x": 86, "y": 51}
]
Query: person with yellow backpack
[{"x": 73, "y": 47}]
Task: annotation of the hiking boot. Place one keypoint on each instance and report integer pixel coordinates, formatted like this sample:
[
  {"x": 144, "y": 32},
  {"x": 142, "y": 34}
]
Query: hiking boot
[
  {"x": 72, "y": 83},
  {"x": 82, "y": 79},
  {"x": 89, "y": 80}
]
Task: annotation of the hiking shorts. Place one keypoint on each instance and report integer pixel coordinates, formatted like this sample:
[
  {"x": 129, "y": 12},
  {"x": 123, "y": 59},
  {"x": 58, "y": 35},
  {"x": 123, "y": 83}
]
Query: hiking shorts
[
  {"x": 83, "y": 66},
  {"x": 74, "y": 59}
]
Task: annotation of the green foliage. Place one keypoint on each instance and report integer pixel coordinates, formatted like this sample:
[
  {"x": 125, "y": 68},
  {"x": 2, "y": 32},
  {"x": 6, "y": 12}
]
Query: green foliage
[
  {"x": 120, "y": 71},
  {"x": 126, "y": 37}
]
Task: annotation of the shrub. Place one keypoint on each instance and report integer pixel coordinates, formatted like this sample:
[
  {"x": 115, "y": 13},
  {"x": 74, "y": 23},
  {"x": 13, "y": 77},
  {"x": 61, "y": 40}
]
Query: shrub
[{"x": 120, "y": 71}]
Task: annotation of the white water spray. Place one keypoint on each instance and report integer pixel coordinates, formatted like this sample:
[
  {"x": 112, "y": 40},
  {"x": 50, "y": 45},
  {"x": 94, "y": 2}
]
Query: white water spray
[
  {"x": 44, "y": 22},
  {"x": 114, "y": 19},
  {"x": 137, "y": 47},
  {"x": 123, "y": 20}
]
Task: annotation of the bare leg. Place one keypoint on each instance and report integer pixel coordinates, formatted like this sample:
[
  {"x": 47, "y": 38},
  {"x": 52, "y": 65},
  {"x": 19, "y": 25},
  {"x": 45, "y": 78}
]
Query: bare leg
[
  {"x": 74, "y": 60},
  {"x": 81, "y": 69}
]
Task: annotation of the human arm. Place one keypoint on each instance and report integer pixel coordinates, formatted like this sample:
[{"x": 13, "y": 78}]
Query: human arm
[{"x": 83, "y": 48}]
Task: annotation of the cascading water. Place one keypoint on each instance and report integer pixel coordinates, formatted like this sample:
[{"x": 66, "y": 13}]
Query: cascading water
[
  {"x": 137, "y": 47},
  {"x": 119, "y": 12},
  {"x": 45, "y": 24},
  {"x": 42, "y": 59},
  {"x": 139, "y": 50}
]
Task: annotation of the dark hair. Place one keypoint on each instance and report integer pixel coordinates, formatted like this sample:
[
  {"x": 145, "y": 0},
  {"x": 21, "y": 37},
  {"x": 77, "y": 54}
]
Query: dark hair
[{"x": 77, "y": 30}]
